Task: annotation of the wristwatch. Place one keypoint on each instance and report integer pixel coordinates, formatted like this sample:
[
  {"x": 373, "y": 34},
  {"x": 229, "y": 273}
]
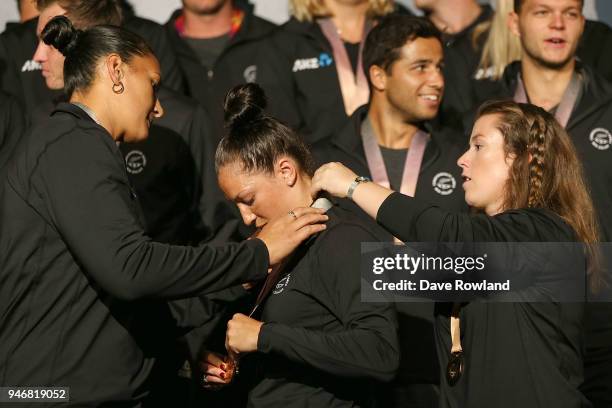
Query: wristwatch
[{"x": 354, "y": 184}]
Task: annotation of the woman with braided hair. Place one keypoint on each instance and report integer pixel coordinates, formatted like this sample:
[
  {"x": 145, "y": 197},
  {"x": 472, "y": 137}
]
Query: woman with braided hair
[{"x": 522, "y": 174}]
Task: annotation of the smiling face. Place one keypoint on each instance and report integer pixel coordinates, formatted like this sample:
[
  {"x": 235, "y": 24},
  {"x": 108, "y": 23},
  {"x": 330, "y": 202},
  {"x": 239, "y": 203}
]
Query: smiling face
[
  {"x": 137, "y": 106},
  {"x": 51, "y": 60},
  {"x": 414, "y": 84},
  {"x": 549, "y": 30},
  {"x": 486, "y": 166}
]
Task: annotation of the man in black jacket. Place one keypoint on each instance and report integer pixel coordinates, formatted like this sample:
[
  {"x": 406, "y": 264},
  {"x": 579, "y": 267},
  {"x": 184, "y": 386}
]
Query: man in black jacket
[
  {"x": 550, "y": 76},
  {"x": 20, "y": 73},
  {"x": 219, "y": 45},
  {"x": 11, "y": 127},
  {"x": 403, "y": 59},
  {"x": 459, "y": 21}
]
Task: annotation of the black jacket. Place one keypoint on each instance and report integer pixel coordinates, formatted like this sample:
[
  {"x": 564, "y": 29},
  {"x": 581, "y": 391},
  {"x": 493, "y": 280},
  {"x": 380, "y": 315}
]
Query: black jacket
[
  {"x": 526, "y": 354},
  {"x": 11, "y": 127},
  {"x": 590, "y": 127},
  {"x": 439, "y": 179},
  {"x": 243, "y": 60},
  {"x": 418, "y": 363},
  {"x": 81, "y": 284},
  {"x": 174, "y": 176},
  {"x": 461, "y": 58},
  {"x": 155, "y": 35},
  {"x": 314, "y": 92},
  {"x": 594, "y": 45},
  {"x": 21, "y": 77},
  {"x": 320, "y": 345},
  {"x": 462, "y": 53}
]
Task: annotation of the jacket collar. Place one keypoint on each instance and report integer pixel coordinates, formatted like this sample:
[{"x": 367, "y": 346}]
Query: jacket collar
[
  {"x": 252, "y": 28},
  {"x": 71, "y": 109},
  {"x": 349, "y": 139},
  {"x": 597, "y": 92}
]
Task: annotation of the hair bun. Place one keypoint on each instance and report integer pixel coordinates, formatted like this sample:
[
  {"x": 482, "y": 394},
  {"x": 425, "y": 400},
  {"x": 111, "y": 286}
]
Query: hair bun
[
  {"x": 61, "y": 34},
  {"x": 243, "y": 104}
]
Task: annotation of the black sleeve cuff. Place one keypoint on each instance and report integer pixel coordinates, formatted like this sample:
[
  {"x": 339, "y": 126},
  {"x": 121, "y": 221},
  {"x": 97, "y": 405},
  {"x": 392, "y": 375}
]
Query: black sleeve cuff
[{"x": 264, "y": 341}]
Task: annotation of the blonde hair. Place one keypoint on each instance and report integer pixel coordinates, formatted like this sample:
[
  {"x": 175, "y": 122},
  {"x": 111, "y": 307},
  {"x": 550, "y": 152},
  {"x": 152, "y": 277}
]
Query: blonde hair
[
  {"x": 501, "y": 47},
  {"x": 309, "y": 10}
]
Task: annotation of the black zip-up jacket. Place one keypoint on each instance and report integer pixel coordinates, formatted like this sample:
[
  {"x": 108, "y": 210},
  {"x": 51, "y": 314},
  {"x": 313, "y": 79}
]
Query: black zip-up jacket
[
  {"x": 439, "y": 179},
  {"x": 174, "y": 176},
  {"x": 593, "y": 48},
  {"x": 21, "y": 76},
  {"x": 461, "y": 59},
  {"x": 462, "y": 54},
  {"x": 439, "y": 173},
  {"x": 590, "y": 127},
  {"x": 12, "y": 127},
  {"x": 155, "y": 35},
  {"x": 524, "y": 354},
  {"x": 320, "y": 345},
  {"x": 243, "y": 60},
  {"x": 303, "y": 59},
  {"x": 81, "y": 285}
]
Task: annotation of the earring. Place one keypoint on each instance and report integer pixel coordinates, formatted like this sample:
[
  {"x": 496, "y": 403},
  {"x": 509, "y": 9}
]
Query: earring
[{"x": 118, "y": 88}]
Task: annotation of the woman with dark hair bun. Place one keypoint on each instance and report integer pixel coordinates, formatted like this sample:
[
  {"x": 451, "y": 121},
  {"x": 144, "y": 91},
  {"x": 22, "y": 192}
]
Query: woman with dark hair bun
[
  {"x": 82, "y": 288},
  {"x": 317, "y": 344},
  {"x": 522, "y": 174}
]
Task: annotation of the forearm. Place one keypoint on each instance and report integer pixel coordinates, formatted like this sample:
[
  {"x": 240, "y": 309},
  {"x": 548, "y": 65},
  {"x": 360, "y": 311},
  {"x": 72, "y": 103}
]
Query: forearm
[
  {"x": 370, "y": 196},
  {"x": 356, "y": 353}
]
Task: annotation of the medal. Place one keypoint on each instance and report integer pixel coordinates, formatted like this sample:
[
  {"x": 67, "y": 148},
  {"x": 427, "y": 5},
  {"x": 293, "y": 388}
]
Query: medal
[{"x": 454, "y": 369}]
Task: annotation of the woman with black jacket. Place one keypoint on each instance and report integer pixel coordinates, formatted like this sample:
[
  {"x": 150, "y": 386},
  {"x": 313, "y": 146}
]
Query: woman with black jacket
[
  {"x": 82, "y": 289},
  {"x": 522, "y": 173},
  {"x": 316, "y": 343}
]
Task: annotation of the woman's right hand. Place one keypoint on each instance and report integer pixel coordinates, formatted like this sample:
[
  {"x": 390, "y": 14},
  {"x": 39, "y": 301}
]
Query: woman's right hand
[
  {"x": 214, "y": 374},
  {"x": 285, "y": 233}
]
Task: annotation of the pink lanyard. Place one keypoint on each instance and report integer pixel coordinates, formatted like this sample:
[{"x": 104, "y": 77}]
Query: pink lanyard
[
  {"x": 412, "y": 167},
  {"x": 353, "y": 86},
  {"x": 565, "y": 108}
]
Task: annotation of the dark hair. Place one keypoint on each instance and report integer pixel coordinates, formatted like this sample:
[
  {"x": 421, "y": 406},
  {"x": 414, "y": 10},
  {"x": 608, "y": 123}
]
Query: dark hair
[
  {"x": 255, "y": 139},
  {"x": 83, "y": 49},
  {"x": 88, "y": 13},
  {"x": 519, "y": 3},
  {"x": 383, "y": 43}
]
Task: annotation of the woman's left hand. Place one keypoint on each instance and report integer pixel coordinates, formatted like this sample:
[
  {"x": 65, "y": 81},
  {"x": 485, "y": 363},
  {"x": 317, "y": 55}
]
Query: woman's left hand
[
  {"x": 242, "y": 334},
  {"x": 334, "y": 178}
]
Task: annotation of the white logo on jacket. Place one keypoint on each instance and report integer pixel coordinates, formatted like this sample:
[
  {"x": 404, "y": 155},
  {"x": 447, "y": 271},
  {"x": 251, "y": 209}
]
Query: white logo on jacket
[
  {"x": 600, "y": 138},
  {"x": 250, "y": 74},
  {"x": 135, "y": 162},
  {"x": 31, "y": 65},
  {"x": 303, "y": 64},
  {"x": 282, "y": 284},
  {"x": 444, "y": 183}
]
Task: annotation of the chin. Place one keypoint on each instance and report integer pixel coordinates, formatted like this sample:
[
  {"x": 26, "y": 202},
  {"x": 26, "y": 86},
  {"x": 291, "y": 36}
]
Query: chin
[{"x": 136, "y": 136}]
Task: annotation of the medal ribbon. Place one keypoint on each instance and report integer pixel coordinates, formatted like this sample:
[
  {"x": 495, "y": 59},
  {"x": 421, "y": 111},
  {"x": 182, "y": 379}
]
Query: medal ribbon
[
  {"x": 566, "y": 106},
  {"x": 353, "y": 85},
  {"x": 272, "y": 278},
  {"x": 376, "y": 164}
]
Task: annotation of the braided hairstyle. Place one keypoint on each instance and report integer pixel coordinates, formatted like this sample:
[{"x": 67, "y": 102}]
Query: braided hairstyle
[{"x": 545, "y": 172}]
